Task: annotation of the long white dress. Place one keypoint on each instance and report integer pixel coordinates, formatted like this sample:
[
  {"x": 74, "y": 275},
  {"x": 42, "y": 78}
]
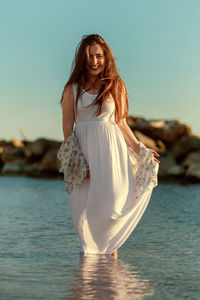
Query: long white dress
[{"x": 104, "y": 208}]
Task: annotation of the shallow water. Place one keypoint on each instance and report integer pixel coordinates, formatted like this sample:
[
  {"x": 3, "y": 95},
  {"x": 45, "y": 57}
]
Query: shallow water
[{"x": 39, "y": 248}]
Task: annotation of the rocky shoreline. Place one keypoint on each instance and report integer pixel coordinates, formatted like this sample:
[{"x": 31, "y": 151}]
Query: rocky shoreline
[{"x": 179, "y": 151}]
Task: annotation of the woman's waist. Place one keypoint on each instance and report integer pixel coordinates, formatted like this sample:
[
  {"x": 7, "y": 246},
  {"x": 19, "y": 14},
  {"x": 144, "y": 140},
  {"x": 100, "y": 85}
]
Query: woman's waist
[{"x": 95, "y": 121}]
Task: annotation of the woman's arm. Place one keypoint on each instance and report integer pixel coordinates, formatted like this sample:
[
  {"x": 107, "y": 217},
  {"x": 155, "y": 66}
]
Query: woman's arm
[
  {"x": 131, "y": 139},
  {"x": 68, "y": 112},
  {"x": 129, "y": 136}
]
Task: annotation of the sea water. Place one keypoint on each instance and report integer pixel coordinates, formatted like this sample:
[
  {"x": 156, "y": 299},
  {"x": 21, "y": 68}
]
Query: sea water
[{"x": 39, "y": 247}]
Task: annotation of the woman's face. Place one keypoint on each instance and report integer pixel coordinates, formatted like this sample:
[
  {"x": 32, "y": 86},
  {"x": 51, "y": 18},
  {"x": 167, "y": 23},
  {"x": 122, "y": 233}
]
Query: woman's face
[{"x": 95, "y": 59}]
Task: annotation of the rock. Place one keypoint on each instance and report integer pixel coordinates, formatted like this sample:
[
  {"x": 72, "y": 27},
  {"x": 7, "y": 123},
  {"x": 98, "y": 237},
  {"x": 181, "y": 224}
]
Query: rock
[
  {"x": 167, "y": 131},
  {"x": 176, "y": 170},
  {"x": 130, "y": 121},
  {"x": 193, "y": 172},
  {"x": 147, "y": 141},
  {"x": 4, "y": 143},
  {"x": 185, "y": 145},
  {"x": 168, "y": 166},
  {"x": 192, "y": 163},
  {"x": 157, "y": 124},
  {"x": 39, "y": 147},
  {"x": 16, "y": 143},
  {"x": 13, "y": 167},
  {"x": 50, "y": 161},
  {"x": 192, "y": 158},
  {"x": 161, "y": 145},
  {"x": 40, "y": 159},
  {"x": 36, "y": 148},
  {"x": 11, "y": 154},
  {"x": 32, "y": 169},
  {"x": 1, "y": 162}
]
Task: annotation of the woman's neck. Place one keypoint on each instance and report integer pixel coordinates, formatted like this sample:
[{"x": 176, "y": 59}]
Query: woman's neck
[{"x": 93, "y": 85}]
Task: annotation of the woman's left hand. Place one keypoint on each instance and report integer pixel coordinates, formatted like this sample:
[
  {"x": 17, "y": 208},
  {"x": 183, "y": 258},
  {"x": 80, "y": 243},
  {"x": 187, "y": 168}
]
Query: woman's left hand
[
  {"x": 88, "y": 174},
  {"x": 156, "y": 154}
]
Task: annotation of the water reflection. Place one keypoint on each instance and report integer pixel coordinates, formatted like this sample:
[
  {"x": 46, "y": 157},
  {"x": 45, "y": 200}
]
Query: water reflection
[{"x": 103, "y": 277}]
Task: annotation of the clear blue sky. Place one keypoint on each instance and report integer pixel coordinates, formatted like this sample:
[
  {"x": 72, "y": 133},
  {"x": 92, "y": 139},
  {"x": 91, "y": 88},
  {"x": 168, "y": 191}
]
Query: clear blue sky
[{"x": 156, "y": 43}]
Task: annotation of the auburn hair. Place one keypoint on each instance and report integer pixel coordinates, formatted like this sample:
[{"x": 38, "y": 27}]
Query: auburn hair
[{"x": 109, "y": 79}]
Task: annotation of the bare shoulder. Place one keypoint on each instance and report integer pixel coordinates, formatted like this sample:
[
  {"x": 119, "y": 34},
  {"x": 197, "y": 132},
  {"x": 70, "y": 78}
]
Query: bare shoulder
[
  {"x": 68, "y": 95},
  {"x": 68, "y": 90}
]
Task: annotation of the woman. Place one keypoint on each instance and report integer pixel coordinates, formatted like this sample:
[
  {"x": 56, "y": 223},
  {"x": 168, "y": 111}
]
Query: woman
[{"x": 105, "y": 207}]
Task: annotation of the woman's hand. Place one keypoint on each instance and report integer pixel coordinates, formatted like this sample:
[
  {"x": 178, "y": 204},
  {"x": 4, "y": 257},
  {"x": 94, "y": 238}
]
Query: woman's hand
[
  {"x": 137, "y": 149},
  {"x": 156, "y": 154},
  {"x": 88, "y": 174}
]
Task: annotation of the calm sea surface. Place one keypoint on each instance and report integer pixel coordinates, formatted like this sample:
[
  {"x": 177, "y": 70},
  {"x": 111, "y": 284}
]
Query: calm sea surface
[{"x": 39, "y": 248}]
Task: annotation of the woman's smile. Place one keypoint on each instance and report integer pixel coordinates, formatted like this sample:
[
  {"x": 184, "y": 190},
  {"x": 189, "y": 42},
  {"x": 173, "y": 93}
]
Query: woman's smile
[{"x": 95, "y": 59}]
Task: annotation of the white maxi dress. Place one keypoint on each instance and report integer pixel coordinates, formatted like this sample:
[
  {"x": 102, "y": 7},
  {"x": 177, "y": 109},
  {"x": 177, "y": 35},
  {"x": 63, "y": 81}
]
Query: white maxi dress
[{"x": 106, "y": 207}]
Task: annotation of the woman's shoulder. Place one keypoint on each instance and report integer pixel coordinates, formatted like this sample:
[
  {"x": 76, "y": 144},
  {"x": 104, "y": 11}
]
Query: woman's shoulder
[{"x": 70, "y": 87}]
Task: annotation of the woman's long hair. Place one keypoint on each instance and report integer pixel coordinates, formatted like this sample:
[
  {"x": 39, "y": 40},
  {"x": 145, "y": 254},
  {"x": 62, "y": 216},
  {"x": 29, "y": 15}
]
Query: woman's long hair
[{"x": 109, "y": 79}]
